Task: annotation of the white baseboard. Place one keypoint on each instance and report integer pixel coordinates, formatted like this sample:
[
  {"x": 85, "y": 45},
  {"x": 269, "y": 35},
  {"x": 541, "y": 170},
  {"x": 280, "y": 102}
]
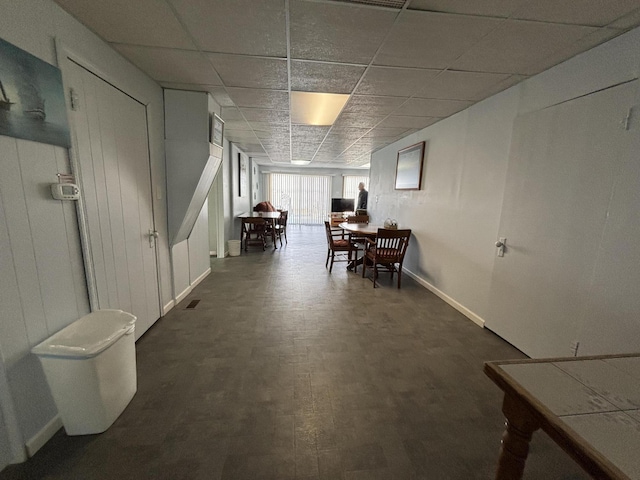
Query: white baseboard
[
  {"x": 168, "y": 307},
  {"x": 181, "y": 296},
  {"x": 213, "y": 253},
  {"x": 458, "y": 306},
  {"x": 195, "y": 283},
  {"x": 36, "y": 442}
]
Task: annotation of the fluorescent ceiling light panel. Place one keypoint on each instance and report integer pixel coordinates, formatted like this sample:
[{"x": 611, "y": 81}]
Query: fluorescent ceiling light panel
[
  {"x": 300, "y": 162},
  {"x": 309, "y": 108}
]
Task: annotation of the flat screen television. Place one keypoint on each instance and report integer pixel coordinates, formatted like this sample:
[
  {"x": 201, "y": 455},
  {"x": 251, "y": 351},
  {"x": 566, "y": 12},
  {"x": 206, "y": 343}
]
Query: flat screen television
[{"x": 343, "y": 204}]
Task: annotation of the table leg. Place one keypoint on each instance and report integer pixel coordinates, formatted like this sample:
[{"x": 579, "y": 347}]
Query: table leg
[{"x": 520, "y": 425}]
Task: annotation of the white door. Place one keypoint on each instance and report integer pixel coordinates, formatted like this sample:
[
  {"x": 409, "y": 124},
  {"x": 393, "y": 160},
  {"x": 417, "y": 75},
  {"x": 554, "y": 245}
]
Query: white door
[
  {"x": 563, "y": 164},
  {"x": 112, "y": 162}
]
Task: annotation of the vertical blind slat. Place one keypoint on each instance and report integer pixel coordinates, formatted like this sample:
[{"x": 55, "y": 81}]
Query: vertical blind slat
[
  {"x": 350, "y": 186},
  {"x": 307, "y": 197}
]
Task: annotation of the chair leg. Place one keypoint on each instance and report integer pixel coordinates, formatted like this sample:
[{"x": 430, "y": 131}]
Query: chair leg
[
  {"x": 364, "y": 265},
  {"x": 375, "y": 273},
  {"x": 333, "y": 254},
  {"x": 399, "y": 275},
  {"x": 328, "y": 254},
  {"x": 285, "y": 237}
]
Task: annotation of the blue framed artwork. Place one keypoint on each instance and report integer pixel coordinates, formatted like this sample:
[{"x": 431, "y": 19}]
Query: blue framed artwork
[{"x": 32, "y": 104}]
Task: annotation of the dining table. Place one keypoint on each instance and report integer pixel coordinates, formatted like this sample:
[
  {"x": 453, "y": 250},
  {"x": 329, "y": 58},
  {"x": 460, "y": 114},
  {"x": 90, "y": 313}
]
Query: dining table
[
  {"x": 589, "y": 406},
  {"x": 269, "y": 217},
  {"x": 369, "y": 230}
]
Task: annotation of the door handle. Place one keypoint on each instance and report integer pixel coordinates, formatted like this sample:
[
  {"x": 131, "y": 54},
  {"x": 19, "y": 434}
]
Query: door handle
[
  {"x": 501, "y": 244},
  {"x": 153, "y": 234}
]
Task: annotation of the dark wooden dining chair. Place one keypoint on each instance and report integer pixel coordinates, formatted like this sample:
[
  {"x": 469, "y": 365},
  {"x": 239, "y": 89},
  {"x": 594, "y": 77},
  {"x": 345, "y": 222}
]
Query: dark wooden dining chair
[
  {"x": 281, "y": 226},
  {"x": 386, "y": 251},
  {"x": 254, "y": 231},
  {"x": 340, "y": 247},
  {"x": 358, "y": 219}
]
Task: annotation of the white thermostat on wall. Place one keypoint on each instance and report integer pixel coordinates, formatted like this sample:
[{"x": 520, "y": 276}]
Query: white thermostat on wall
[{"x": 65, "y": 191}]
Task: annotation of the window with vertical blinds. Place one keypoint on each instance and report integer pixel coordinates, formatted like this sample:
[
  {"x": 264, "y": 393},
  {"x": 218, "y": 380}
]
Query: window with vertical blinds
[
  {"x": 350, "y": 186},
  {"x": 306, "y": 197}
]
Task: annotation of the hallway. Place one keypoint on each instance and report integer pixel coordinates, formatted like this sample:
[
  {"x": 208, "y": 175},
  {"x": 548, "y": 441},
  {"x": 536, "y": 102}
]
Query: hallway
[{"x": 284, "y": 371}]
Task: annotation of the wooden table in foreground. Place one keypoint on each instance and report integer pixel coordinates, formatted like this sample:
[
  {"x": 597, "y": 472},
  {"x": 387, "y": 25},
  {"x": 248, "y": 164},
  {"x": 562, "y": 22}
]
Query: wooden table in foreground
[{"x": 590, "y": 406}]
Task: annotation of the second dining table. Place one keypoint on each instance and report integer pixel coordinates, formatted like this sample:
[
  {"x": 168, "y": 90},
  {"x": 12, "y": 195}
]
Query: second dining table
[{"x": 269, "y": 217}]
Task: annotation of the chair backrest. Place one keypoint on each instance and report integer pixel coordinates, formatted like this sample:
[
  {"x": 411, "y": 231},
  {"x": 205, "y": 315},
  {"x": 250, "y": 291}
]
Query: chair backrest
[
  {"x": 253, "y": 224},
  {"x": 333, "y": 233},
  {"x": 391, "y": 245},
  {"x": 284, "y": 215},
  {"x": 358, "y": 219}
]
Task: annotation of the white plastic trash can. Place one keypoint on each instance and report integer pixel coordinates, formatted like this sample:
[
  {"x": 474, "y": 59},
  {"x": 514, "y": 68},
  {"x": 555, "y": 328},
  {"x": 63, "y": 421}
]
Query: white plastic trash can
[
  {"x": 234, "y": 248},
  {"x": 90, "y": 366}
]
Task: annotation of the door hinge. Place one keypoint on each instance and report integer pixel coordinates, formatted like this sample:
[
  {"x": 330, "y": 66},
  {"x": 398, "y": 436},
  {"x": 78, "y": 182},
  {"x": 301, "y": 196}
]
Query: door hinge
[{"x": 73, "y": 99}]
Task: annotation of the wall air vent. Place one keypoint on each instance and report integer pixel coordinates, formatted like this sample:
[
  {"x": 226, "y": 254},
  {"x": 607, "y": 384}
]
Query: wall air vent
[{"x": 378, "y": 3}]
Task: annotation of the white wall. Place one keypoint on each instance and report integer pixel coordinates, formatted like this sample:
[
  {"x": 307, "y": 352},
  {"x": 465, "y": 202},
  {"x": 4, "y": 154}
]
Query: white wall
[
  {"x": 199, "y": 259},
  {"x": 42, "y": 285},
  {"x": 456, "y": 215}
]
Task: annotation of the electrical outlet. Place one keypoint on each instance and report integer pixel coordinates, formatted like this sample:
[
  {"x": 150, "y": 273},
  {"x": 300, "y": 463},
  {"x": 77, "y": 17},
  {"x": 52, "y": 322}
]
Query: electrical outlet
[{"x": 574, "y": 348}]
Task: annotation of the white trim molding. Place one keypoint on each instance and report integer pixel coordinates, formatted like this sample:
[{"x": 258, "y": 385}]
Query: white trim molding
[
  {"x": 197, "y": 281},
  {"x": 36, "y": 442},
  {"x": 168, "y": 307},
  {"x": 439, "y": 293}
]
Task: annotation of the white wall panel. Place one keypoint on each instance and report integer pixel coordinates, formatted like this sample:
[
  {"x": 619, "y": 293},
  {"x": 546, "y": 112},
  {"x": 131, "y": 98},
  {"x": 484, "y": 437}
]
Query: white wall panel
[
  {"x": 199, "y": 259},
  {"x": 454, "y": 217},
  {"x": 39, "y": 242},
  {"x": 181, "y": 277}
]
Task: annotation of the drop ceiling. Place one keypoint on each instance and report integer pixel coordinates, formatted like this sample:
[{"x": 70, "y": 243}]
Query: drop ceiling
[{"x": 405, "y": 64}]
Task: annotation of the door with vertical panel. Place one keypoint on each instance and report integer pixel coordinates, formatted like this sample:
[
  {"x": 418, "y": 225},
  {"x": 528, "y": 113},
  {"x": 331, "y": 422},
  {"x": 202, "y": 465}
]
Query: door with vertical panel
[
  {"x": 563, "y": 166},
  {"x": 112, "y": 166}
]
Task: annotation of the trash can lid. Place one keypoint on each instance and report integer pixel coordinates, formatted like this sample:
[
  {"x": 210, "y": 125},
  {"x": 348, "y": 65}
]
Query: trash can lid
[{"x": 87, "y": 336}]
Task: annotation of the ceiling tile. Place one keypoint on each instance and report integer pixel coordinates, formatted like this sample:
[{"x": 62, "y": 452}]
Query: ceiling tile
[
  {"x": 456, "y": 85},
  {"x": 241, "y": 135},
  {"x": 409, "y": 122},
  {"x": 244, "y": 27},
  {"x": 180, "y": 66},
  {"x": 585, "y": 43},
  {"x": 143, "y": 22},
  {"x": 221, "y": 96},
  {"x": 373, "y": 105},
  {"x": 265, "y": 115},
  {"x": 251, "y": 72},
  {"x": 349, "y": 132},
  {"x": 432, "y": 40},
  {"x": 231, "y": 113},
  {"x": 386, "y": 132},
  {"x": 517, "y": 45},
  {"x": 337, "y": 32},
  {"x": 194, "y": 87},
  {"x": 500, "y": 86},
  {"x": 402, "y": 82},
  {"x": 492, "y": 8},
  {"x": 630, "y": 20},
  {"x": 247, "y": 97},
  {"x": 358, "y": 120},
  {"x": 236, "y": 125},
  {"x": 308, "y": 133},
  {"x": 431, "y": 107},
  {"x": 324, "y": 77},
  {"x": 579, "y": 12}
]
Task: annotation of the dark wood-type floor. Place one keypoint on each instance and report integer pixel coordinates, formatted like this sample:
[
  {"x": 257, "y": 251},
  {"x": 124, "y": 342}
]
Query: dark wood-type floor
[{"x": 284, "y": 371}]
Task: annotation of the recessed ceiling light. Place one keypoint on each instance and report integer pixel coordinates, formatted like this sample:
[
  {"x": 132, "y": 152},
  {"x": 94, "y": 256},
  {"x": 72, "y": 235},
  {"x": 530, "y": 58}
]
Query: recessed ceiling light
[
  {"x": 309, "y": 108},
  {"x": 300, "y": 162}
]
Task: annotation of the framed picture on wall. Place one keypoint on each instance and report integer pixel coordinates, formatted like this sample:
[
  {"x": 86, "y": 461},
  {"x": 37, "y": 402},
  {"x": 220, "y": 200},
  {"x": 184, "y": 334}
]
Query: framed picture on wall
[
  {"x": 242, "y": 175},
  {"x": 217, "y": 130},
  {"x": 409, "y": 167}
]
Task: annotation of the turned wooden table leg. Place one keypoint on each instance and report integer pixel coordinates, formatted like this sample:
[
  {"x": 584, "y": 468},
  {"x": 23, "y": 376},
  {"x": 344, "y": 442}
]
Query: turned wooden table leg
[{"x": 520, "y": 425}]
